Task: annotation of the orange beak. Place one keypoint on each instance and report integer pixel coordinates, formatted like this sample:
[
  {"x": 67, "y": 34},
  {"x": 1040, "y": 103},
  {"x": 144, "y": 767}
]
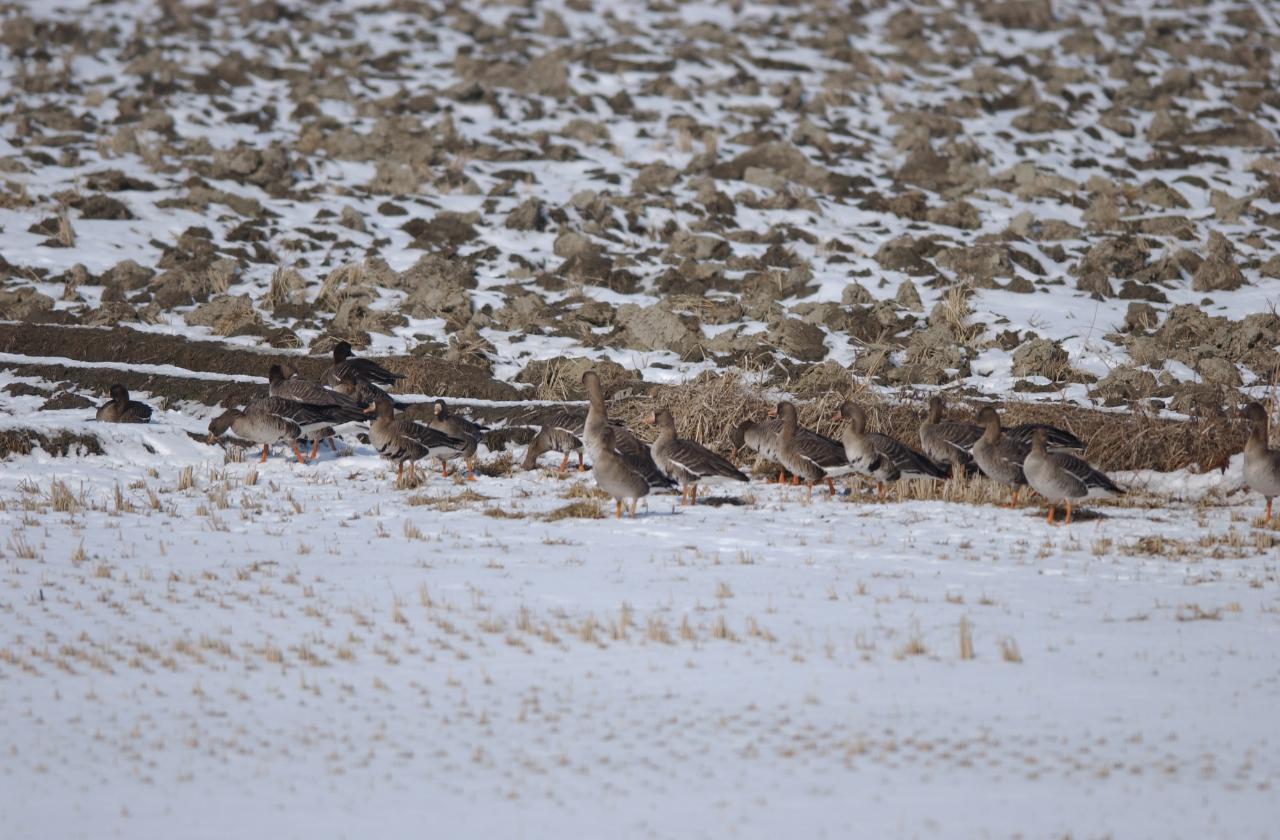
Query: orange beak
[
  {"x": 651, "y": 418},
  {"x": 211, "y": 439},
  {"x": 371, "y": 409}
]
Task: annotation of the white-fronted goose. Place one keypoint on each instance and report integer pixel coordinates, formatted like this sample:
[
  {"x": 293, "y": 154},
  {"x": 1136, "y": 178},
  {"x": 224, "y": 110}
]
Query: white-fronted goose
[
  {"x": 346, "y": 365},
  {"x": 761, "y": 437},
  {"x": 560, "y": 429},
  {"x": 947, "y": 442},
  {"x": 121, "y": 409},
  {"x": 1062, "y": 477},
  {"x": 615, "y": 474},
  {"x": 811, "y": 458},
  {"x": 688, "y": 462},
  {"x": 455, "y": 425},
  {"x": 285, "y": 383},
  {"x": 1261, "y": 463},
  {"x": 894, "y": 459},
  {"x": 403, "y": 440},
  {"x": 999, "y": 456},
  {"x": 272, "y": 420},
  {"x": 622, "y": 441}
]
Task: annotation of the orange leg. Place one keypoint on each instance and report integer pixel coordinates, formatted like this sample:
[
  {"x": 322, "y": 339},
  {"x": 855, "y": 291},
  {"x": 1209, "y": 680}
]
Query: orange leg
[
  {"x": 315, "y": 449},
  {"x": 684, "y": 495},
  {"x": 444, "y": 468},
  {"x": 333, "y": 447},
  {"x": 831, "y": 487},
  {"x": 265, "y": 450},
  {"x": 298, "y": 453},
  {"x": 882, "y": 490},
  {"x": 781, "y": 477},
  {"x": 617, "y": 508},
  {"x": 1049, "y": 518},
  {"x": 564, "y": 463},
  {"x": 795, "y": 481},
  {"x": 399, "y": 470},
  {"x": 581, "y": 466},
  {"x": 693, "y": 494},
  {"x": 1068, "y": 511},
  {"x": 1014, "y": 503},
  {"x": 471, "y": 469}
]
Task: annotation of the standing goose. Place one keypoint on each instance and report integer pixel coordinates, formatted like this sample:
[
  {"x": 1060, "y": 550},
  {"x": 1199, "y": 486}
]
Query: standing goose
[
  {"x": 284, "y": 383},
  {"x": 345, "y": 364},
  {"x": 615, "y": 474},
  {"x": 403, "y": 440},
  {"x": 687, "y": 462},
  {"x": 622, "y": 441},
  {"x": 1261, "y": 463},
  {"x": 946, "y": 442},
  {"x": 811, "y": 458},
  {"x": 1062, "y": 477},
  {"x": 1000, "y": 456},
  {"x": 893, "y": 458},
  {"x": 121, "y": 409},
  {"x": 455, "y": 425},
  {"x": 761, "y": 437},
  {"x": 272, "y": 420}
]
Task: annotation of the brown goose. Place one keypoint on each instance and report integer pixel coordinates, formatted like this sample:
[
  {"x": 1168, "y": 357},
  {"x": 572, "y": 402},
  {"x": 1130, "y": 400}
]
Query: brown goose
[
  {"x": 455, "y": 425},
  {"x": 121, "y": 409},
  {"x": 946, "y": 442},
  {"x": 615, "y": 474},
  {"x": 285, "y": 383},
  {"x": 1261, "y": 463},
  {"x": 892, "y": 458},
  {"x": 624, "y": 442},
  {"x": 345, "y": 364},
  {"x": 687, "y": 462},
  {"x": 1062, "y": 477},
  {"x": 999, "y": 456},
  {"x": 272, "y": 420},
  {"x": 403, "y": 440},
  {"x": 761, "y": 437},
  {"x": 811, "y": 458},
  {"x": 559, "y": 430}
]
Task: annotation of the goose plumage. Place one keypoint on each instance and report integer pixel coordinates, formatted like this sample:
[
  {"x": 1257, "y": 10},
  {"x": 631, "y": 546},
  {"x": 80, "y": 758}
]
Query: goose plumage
[
  {"x": 881, "y": 456},
  {"x": 622, "y": 440},
  {"x": 121, "y": 409},
  {"x": 811, "y": 458},
  {"x": 998, "y": 455},
  {"x": 273, "y": 420},
  {"x": 403, "y": 440},
  {"x": 455, "y": 425},
  {"x": 615, "y": 473},
  {"x": 687, "y": 462},
  {"x": 1062, "y": 477},
  {"x": 1261, "y": 463}
]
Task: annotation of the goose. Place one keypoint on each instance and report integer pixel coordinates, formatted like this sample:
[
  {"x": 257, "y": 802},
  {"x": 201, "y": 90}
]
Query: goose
[
  {"x": 367, "y": 370},
  {"x": 1261, "y": 464},
  {"x": 285, "y": 383},
  {"x": 454, "y": 425},
  {"x": 1062, "y": 477},
  {"x": 559, "y": 430},
  {"x": 622, "y": 441},
  {"x": 615, "y": 474},
  {"x": 403, "y": 440},
  {"x": 761, "y": 437},
  {"x": 688, "y": 462},
  {"x": 946, "y": 442},
  {"x": 273, "y": 420},
  {"x": 880, "y": 456},
  {"x": 1000, "y": 456},
  {"x": 121, "y": 409},
  {"x": 811, "y": 458}
]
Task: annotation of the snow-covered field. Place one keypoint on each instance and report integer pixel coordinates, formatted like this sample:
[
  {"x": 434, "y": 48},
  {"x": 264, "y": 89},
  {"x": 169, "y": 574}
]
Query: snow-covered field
[
  {"x": 1069, "y": 202},
  {"x": 279, "y": 650}
]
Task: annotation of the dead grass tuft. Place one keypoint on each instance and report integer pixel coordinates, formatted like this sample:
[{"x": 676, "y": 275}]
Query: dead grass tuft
[{"x": 586, "y": 509}]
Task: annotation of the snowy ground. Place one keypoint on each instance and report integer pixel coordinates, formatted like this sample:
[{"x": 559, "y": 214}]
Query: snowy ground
[{"x": 290, "y": 651}]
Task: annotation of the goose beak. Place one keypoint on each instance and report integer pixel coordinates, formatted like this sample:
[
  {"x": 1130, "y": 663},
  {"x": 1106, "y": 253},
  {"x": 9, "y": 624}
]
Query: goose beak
[
  {"x": 651, "y": 418},
  {"x": 211, "y": 439},
  {"x": 839, "y": 415},
  {"x": 372, "y": 409}
]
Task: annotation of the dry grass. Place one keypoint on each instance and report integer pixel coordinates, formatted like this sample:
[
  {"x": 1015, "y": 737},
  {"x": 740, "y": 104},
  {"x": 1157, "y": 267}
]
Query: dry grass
[
  {"x": 583, "y": 509},
  {"x": 339, "y": 285},
  {"x": 287, "y": 286},
  {"x": 966, "y": 638}
]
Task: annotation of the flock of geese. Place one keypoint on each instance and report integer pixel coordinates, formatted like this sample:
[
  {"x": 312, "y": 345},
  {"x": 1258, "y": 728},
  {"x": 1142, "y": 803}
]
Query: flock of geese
[{"x": 1042, "y": 457}]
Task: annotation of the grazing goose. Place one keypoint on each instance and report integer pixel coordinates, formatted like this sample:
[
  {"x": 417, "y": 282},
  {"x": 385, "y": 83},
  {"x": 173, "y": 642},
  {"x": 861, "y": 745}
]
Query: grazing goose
[
  {"x": 559, "y": 430},
  {"x": 812, "y": 457},
  {"x": 455, "y": 425},
  {"x": 633, "y": 450},
  {"x": 403, "y": 440},
  {"x": 286, "y": 384},
  {"x": 687, "y": 462},
  {"x": 615, "y": 474},
  {"x": 345, "y": 364},
  {"x": 1261, "y": 463},
  {"x": 273, "y": 420},
  {"x": 121, "y": 409},
  {"x": 1062, "y": 477},
  {"x": 1000, "y": 456},
  {"x": 892, "y": 459}
]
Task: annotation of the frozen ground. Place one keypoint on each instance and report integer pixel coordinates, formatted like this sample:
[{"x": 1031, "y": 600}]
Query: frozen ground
[{"x": 297, "y": 651}]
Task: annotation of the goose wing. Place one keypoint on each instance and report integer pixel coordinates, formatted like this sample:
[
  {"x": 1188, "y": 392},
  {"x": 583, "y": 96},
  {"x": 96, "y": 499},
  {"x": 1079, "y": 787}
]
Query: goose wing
[
  {"x": 699, "y": 462},
  {"x": 821, "y": 450},
  {"x": 311, "y": 393},
  {"x": 635, "y": 453},
  {"x": 1054, "y": 438},
  {"x": 1084, "y": 472},
  {"x": 904, "y": 459}
]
